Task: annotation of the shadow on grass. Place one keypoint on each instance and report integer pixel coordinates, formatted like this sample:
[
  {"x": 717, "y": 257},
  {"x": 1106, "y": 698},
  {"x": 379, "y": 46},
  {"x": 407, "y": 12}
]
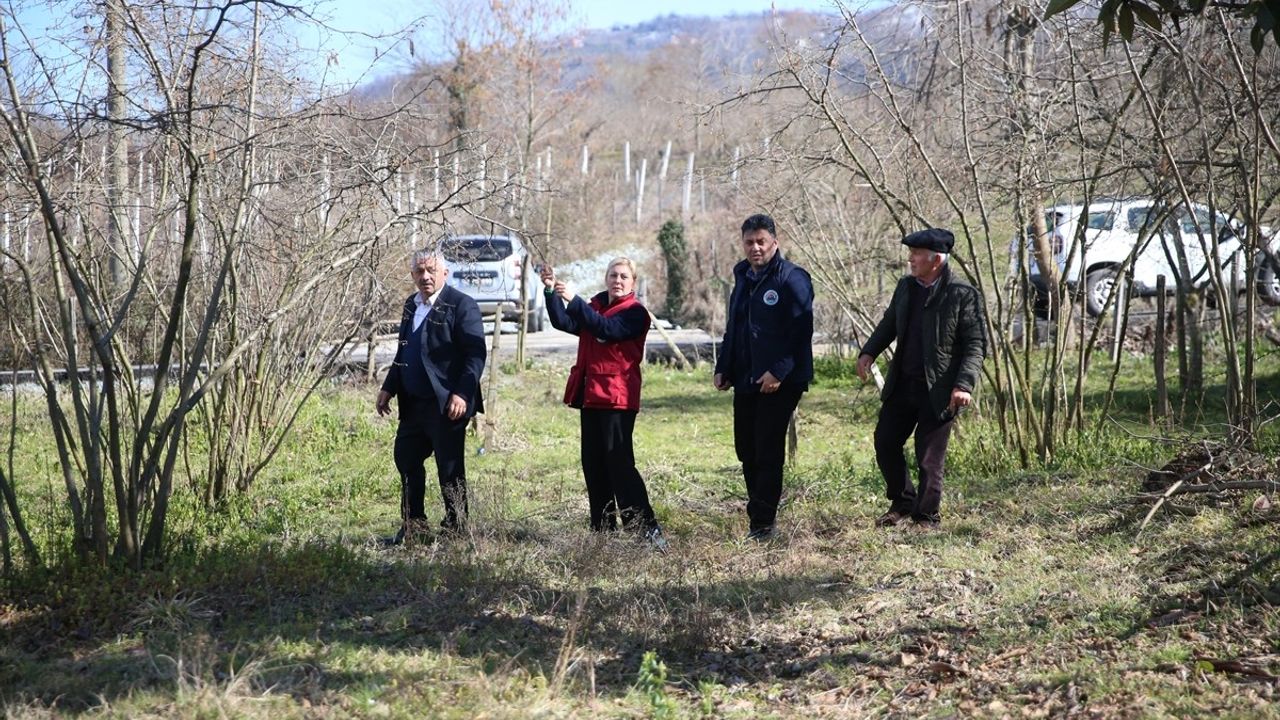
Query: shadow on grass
[
  {"x": 845, "y": 403},
  {"x": 1224, "y": 574},
  {"x": 1136, "y": 403},
  {"x": 653, "y": 401},
  {"x": 307, "y": 612}
]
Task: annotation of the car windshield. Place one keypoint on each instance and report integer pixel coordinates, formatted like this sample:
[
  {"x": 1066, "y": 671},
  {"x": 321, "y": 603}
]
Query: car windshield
[{"x": 466, "y": 250}]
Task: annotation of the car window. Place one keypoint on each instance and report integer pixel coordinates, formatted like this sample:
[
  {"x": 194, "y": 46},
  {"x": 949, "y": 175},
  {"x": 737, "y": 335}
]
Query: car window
[
  {"x": 1140, "y": 217},
  {"x": 1101, "y": 220},
  {"x": 476, "y": 249},
  {"x": 1202, "y": 218}
]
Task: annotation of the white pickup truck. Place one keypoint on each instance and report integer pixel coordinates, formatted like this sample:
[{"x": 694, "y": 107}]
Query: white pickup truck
[{"x": 1115, "y": 227}]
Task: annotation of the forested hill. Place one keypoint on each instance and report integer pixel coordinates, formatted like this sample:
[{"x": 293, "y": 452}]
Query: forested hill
[{"x": 718, "y": 49}]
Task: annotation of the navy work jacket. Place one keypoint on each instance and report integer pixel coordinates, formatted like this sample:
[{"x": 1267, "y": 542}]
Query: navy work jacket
[{"x": 769, "y": 327}]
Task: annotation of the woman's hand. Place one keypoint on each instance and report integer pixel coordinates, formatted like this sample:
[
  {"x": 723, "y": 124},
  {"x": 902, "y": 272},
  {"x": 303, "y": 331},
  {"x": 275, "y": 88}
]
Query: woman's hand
[
  {"x": 563, "y": 291},
  {"x": 548, "y": 275}
]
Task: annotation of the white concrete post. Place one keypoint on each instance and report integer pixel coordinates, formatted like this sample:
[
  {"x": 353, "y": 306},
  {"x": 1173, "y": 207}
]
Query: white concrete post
[
  {"x": 688, "y": 187},
  {"x": 644, "y": 166}
]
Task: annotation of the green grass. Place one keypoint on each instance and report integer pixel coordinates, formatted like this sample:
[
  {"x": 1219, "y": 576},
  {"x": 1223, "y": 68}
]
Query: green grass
[{"x": 1036, "y": 598}]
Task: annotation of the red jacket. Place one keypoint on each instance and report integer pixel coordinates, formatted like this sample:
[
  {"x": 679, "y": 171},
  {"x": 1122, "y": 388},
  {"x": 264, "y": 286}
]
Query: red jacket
[{"x": 610, "y": 351}]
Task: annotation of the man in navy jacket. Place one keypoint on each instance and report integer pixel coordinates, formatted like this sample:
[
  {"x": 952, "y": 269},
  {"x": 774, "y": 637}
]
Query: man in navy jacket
[
  {"x": 436, "y": 375},
  {"x": 767, "y": 358}
]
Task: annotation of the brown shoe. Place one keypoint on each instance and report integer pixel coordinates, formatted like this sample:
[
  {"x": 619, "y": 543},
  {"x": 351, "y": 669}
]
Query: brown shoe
[
  {"x": 891, "y": 518},
  {"x": 927, "y": 522}
]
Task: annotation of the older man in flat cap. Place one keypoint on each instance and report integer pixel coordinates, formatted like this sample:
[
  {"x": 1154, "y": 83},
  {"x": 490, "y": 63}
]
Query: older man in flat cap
[{"x": 940, "y": 325}]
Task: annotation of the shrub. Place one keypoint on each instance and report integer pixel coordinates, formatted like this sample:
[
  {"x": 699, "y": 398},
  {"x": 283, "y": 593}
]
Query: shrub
[{"x": 676, "y": 253}]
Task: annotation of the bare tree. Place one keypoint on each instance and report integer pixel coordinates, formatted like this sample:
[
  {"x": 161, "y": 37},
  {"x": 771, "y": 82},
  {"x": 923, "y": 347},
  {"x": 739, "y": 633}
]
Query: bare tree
[
  {"x": 977, "y": 120},
  {"x": 260, "y": 210}
]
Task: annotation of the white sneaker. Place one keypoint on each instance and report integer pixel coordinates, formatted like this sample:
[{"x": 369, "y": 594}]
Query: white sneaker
[{"x": 656, "y": 539}]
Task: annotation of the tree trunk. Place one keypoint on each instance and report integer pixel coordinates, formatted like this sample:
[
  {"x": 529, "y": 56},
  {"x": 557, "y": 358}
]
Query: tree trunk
[{"x": 117, "y": 176}]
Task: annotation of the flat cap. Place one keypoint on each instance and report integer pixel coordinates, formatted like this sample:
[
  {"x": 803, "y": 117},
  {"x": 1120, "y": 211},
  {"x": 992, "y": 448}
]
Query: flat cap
[{"x": 935, "y": 239}]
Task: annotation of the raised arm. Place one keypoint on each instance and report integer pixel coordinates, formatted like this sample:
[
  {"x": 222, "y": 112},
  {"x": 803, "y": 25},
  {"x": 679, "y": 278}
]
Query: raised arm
[
  {"x": 560, "y": 319},
  {"x": 632, "y": 323}
]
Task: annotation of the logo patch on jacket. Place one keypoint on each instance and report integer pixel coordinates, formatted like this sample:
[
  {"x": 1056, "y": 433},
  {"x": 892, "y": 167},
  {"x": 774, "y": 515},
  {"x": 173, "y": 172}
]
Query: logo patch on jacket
[{"x": 771, "y": 297}]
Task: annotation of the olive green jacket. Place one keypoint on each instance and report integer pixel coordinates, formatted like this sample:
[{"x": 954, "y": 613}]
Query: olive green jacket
[{"x": 954, "y": 337}]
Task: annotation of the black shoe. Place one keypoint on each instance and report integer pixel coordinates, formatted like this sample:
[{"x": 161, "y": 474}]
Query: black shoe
[
  {"x": 413, "y": 531},
  {"x": 453, "y": 528},
  {"x": 393, "y": 540},
  {"x": 764, "y": 534}
]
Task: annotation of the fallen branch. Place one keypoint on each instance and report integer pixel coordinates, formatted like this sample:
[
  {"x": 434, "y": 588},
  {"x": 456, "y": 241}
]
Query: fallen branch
[
  {"x": 1236, "y": 667},
  {"x": 1214, "y": 487},
  {"x": 1004, "y": 656},
  {"x": 1190, "y": 476},
  {"x": 1154, "y": 508}
]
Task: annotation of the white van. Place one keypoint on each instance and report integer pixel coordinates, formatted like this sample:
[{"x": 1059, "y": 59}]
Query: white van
[{"x": 1115, "y": 227}]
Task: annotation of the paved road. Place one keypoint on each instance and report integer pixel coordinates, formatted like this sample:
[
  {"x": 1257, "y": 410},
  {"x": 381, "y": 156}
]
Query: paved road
[
  {"x": 550, "y": 344},
  {"x": 695, "y": 344}
]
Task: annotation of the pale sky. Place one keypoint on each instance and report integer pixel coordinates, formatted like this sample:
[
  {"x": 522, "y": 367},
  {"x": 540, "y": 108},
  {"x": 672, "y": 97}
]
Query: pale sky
[
  {"x": 349, "y": 55},
  {"x": 596, "y": 14},
  {"x": 386, "y": 16}
]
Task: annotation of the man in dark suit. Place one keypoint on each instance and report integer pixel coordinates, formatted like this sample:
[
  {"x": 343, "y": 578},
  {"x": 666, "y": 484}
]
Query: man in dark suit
[{"x": 436, "y": 375}]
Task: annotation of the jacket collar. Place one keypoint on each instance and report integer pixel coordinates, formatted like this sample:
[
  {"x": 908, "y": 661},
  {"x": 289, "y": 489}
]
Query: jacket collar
[
  {"x": 443, "y": 298},
  {"x": 601, "y": 301},
  {"x": 446, "y": 296},
  {"x": 944, "y": 279}
]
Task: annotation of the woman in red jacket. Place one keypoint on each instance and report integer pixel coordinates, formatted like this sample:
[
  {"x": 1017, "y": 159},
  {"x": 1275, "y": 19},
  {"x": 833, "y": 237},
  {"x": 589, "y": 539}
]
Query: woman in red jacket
[{"x": 605, "y": 386}]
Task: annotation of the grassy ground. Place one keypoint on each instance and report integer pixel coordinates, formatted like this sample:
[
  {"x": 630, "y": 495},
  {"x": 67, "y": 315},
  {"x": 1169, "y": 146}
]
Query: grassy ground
[{"x": 1038, "y": 598}]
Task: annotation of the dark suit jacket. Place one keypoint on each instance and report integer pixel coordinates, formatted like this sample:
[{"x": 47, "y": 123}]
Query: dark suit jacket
[{"x": 453, "y": 349}]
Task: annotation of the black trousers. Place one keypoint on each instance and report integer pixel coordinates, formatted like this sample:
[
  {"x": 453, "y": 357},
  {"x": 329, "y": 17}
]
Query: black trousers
[
  {"x": 614, "y": 486},
  {"x": 760, "y": 440},
  {"x": 424, "y": 431},
  {"x": 908, "y": 410}
]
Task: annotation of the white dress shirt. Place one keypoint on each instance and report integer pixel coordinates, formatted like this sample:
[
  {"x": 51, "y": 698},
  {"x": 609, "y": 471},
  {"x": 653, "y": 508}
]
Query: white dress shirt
[{"x": 422, "y": 308}]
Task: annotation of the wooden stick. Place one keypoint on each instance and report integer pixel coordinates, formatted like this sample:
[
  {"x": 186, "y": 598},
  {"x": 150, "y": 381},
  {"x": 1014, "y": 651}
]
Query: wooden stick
[
  {"x": 684, "y": 362},
  {"x": 1151, "y": 513},
  {"x": 1214, "y": 487},
  {"x": 1162, "y": 386}
]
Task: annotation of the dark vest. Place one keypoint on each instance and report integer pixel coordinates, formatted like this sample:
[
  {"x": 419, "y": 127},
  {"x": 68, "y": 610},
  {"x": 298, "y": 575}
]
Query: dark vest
[{"x": 414, "y": 377}]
